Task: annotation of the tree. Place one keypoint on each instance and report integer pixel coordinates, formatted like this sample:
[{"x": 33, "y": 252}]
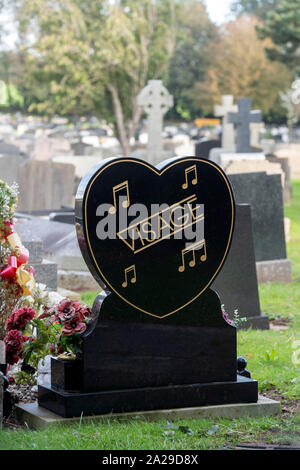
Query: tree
[
  {"x": 259, "y": 8},
  {"x": 282, "y": 26},
  {"x": 291, "y": 102},
  {"x": 242, "y": 69},
  {"x": 193, "y": 54},
  {"x": 86, "y": 56}
]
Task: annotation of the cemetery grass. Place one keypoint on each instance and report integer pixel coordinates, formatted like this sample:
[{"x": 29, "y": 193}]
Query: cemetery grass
[{"x": 270, "y": 360}]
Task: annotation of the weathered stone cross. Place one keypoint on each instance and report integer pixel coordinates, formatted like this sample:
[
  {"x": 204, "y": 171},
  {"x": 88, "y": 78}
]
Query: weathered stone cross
[
  {"x": 228, "y": 141},
  {"x": 155, "y": 101},
  {"x": 242, "y": 119}
]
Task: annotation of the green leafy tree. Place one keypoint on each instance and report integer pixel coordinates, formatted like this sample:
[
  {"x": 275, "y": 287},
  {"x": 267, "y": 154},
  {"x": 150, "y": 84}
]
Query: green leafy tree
[
  {"x": 282, "y": 25},
  {"x": 241, "y": 69},
  {"x": 196, "y": 36},
  {"x": 259, "y": 8},
  {"x": 94, "y": 56}
]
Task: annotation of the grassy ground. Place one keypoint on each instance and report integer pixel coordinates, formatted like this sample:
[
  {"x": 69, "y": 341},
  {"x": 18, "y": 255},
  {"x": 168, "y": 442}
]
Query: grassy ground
[{"x": 272, "y": 359}]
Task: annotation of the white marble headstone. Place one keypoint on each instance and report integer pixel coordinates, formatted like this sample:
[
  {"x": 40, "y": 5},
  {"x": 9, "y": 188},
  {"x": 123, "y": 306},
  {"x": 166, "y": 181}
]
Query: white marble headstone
[
  {"x": 155, "y": 100},
  {"x": 228, "y": 137}
]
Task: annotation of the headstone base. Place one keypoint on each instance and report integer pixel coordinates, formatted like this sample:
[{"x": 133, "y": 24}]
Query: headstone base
[
  {"x": 277, "y": 270},
  {"x": 259, "y": 322},
  {"x": 37, "y": 417},
  {"x": 68, "y": 404}
]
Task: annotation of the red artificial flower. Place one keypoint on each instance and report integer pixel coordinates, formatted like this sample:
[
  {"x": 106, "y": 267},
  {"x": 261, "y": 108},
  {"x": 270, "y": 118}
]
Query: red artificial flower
[
  {"x": 66, "y": 311},
  {"x": 47, "y": 312},
  {"x": 73, "y": 326},
  {"x": 13, "y": 346},
  {"x": 60, "y": 350},
  {"x": 83, "y": 310},
  {"x": 19, "y": 318}
]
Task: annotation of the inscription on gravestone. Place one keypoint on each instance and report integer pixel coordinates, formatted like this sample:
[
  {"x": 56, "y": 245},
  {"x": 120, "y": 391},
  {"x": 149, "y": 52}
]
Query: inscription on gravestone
[{"x": 154, "y": 238}]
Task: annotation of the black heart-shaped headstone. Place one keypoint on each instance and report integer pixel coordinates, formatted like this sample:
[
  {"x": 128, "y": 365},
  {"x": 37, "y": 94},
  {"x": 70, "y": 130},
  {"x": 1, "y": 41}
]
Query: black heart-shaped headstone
[{"x": 155, "y": 236}]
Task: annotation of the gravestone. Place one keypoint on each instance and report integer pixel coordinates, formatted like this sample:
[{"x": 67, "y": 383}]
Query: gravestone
[
  {"x": 45, "y": 185},
  {"x": 46, "y": 148},
  {"x": 45, "y": 272},
  {"x": 255, "y": 134},
  {"x": 8, "y": 149},
  {"x": 60, "y": 249},
  {"x": 9, "y": 167},
  {"x": 64, "y": 217},
  {"x": 204, "y": 146},
  {"x": 158, "y": 338},
  {"x": 264, "y": 193},
  {"x": 242, "y": 120},
  {"x": 284, "y": 162},
  {"x": 236, "y": 284},
  {"x": 256, "y": 166},
  {"x": 228, "y": 138},
  {"x": 155, "y": 101}
]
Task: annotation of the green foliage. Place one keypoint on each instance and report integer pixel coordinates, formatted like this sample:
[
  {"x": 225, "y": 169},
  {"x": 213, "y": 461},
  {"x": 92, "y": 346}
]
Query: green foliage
[
  {"x": 237, "y": 320},
  {"x": 39, "y": 347},
  {"x": 25, "y": 378},
  {"x": 282, "y": 25},
  {"x": 138, "y": 434},
  {"x": 259, "y": 8},
  {"x": 94, "y": 56}
]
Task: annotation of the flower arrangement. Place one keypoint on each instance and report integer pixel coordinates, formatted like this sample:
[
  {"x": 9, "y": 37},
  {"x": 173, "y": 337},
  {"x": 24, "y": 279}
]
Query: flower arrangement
[
  {"x": 237, "y": 320},
  {"x": 56, "y": 330},
  {"x": 16, "y": 278},
  {"x": 34, "y": 321}
]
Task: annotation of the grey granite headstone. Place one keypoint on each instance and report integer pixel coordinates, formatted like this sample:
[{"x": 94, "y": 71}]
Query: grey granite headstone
[
  {"x": 35, "y": 248},
  {"x": 204, "y": 146},
  {"x": 236, "y": 283},
  {"x": 242, "y": 120},
  {"x": 57, "y": 237},
  {"x": 45, "y": 271},
  {"x": 8, "y": 149},
  {"x": 264, "y": 193},
  {"x": 64, "y": 217}
]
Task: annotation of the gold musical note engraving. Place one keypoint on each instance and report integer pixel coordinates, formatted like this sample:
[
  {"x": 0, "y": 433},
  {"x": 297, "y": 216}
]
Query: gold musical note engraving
[
  {"x": 127, "y": 271},
  {"x": 116, "y": 190},
  {"x": 192, "y": 169},
  {"x": 192, "y": 249}
]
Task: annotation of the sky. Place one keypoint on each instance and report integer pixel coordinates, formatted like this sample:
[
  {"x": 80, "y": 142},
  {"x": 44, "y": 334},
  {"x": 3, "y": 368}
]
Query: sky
[{"x": 219, "y": 10}]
